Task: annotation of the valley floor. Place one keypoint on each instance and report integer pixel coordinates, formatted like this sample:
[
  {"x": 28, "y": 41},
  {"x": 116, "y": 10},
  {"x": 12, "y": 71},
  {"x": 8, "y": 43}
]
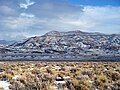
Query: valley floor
[{"x": 38, "y": 75}]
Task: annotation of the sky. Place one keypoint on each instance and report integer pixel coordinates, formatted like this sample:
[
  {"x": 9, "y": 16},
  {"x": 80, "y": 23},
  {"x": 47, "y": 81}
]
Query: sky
[{"x": 20, "y": 19}]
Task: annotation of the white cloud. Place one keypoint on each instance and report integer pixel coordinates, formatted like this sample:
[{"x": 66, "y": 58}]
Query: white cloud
[
  {"x": 107, "y": 11},
  {"x": 105, "y": 19},
  {"x": 28, "y": 3},
  {"x": 100, "y": 19},
  {"x": 27, "y": 15},
  {"x": 92, "y": 18},
  {"x": 80, "y": 23},
  {"x": 20, "y": 23}
]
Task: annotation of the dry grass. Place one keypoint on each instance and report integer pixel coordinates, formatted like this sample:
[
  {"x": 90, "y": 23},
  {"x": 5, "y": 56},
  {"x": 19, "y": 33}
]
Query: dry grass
[{"x": 77, "y": 75}]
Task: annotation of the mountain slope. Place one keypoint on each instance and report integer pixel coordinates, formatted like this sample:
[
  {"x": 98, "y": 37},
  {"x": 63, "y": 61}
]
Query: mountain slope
[{"x": 72, "y": 42}]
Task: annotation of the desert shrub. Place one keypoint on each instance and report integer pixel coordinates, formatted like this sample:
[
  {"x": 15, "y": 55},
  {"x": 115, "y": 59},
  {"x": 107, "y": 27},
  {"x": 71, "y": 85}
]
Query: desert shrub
[
  {"x": 115, "y": 76},
  {"x": 100, "y": 81},
  {"x": 73, "y": 70},
  {"x": 89, "y": 73},
  {"x": 115, "y": 86},
  {"x": 75, "y": 82},
  {"x": 49, "y": 71},
  {"x": 81, "y": 84}
]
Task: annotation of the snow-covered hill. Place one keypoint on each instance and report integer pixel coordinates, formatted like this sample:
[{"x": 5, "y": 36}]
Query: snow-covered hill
[{"x": 72, "y": 42}]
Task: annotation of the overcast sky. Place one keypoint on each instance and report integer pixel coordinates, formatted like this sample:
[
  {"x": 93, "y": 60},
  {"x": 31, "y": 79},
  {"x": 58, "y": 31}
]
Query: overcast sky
[{"x": 20, "y": 19}]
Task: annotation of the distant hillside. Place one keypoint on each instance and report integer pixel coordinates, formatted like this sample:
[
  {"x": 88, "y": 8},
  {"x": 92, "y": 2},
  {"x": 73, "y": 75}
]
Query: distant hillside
[
  {"x": 72, "y": 42},
  {"x": 4, "y": 42}
]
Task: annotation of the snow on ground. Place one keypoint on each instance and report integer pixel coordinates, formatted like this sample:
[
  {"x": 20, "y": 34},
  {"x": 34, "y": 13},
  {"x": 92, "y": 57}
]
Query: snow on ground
[
  {"x": 16, "y": 77},
  {"x": 5, "y": 85}
]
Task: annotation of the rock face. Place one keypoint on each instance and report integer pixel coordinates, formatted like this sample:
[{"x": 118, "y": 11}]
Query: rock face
[{"x": 72, "y": 42}]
